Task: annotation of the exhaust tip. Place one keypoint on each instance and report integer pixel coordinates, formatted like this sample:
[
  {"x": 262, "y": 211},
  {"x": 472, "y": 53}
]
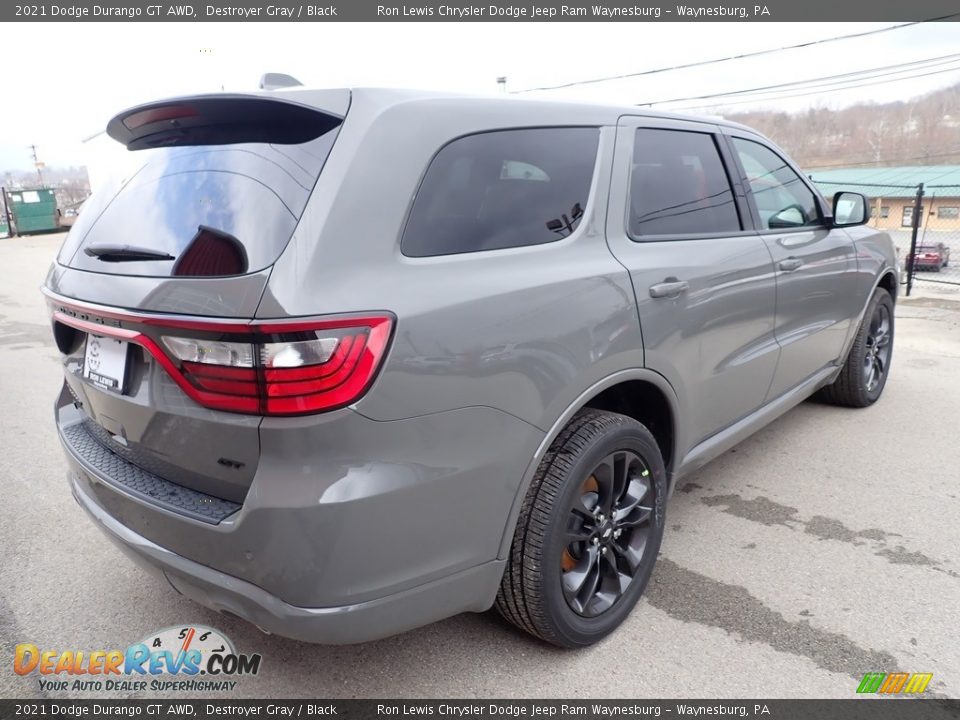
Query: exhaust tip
[{"x": 234, "y": 616}]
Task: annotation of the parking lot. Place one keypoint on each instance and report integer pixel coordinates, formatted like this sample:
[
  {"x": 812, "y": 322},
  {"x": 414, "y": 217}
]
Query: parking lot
[{"x": 822, "y": 548}]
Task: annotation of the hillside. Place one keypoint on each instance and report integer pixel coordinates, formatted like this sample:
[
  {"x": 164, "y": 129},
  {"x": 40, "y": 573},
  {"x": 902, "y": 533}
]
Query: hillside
[{"x": 921, "y": 131}]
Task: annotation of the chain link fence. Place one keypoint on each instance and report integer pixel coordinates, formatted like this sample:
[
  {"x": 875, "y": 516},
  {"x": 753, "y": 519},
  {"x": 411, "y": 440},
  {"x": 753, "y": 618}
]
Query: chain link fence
[{"x": 924, "y": 222}]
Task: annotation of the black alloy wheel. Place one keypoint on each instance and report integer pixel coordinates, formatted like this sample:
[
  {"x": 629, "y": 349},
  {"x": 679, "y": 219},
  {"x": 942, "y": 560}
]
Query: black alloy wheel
[
  {"x": 607, "y": 532},
  {"x": 588, "y": 532},
  {"x": 876, "y": 359},
  {"x": 863, "y": 376}
]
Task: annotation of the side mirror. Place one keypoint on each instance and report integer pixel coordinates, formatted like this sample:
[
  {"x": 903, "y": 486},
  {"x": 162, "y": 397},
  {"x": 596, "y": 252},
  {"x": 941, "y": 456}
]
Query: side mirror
[
  {"x": 849, "y": 209},
  {"x": 789, "y": 217}
]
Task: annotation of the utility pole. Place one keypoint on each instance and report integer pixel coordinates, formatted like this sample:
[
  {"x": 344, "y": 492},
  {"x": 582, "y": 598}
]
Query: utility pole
[
  {"x": 914, "y": 226},
  {"x": 37, "y": 164},
  {"x": 6, "y": 210}
]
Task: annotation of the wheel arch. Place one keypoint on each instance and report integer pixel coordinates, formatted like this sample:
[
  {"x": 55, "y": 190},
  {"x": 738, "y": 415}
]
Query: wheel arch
[
  {"x": 888, "y": 281},
  {"x": 639, "y": 393}
]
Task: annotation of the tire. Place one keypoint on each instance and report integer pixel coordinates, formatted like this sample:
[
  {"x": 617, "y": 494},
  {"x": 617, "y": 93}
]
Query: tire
[
  {"x": 862, "y": 379},
  {"x": 539, "y": 590}
]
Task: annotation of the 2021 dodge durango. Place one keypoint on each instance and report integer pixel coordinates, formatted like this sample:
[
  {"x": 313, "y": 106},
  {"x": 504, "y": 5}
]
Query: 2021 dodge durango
[{"x": 344, "y": 363}]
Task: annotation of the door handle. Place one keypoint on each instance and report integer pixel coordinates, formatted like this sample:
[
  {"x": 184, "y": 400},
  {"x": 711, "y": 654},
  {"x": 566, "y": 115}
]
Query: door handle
[
  {"x": 790, "y": 264},
  {"x": 669, "y": 288}
]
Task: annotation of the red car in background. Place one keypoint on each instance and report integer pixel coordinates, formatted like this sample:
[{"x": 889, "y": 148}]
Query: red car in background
[{"x": 930, "y": 256}]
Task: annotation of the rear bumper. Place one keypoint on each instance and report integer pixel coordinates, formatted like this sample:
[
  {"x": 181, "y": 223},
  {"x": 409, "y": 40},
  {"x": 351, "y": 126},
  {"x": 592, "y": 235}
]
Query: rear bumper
[
  {"x": 470, "y": 590},
  {"x": 351, "y": 530}
]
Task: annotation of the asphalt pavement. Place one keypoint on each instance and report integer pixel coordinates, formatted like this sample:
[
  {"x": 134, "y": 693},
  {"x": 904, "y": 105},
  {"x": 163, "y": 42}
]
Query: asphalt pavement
[{"x": 824, "y": 547}]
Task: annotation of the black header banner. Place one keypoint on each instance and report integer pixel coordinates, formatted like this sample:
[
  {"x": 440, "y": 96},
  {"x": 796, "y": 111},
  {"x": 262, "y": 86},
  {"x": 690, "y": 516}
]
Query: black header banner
[
  {"x": 854, "y": 709},
  {"x": 478, "y": 11}
]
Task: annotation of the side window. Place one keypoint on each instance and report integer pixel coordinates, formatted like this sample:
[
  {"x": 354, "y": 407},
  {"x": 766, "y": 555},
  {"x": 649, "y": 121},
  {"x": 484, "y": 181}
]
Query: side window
[
  {"x": 782, "y": 198},
  {"x": 502, "y": 189},
  {"x": 678, "y": 186}
]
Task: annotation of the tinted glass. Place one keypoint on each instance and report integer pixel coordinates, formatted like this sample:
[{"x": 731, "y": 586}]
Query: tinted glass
[
  {"x": 502, "y": 189},
  {"x": 254, "y": 192},
  {"x": 678, "y": 186},
  {"x": 782, "y": 198}
]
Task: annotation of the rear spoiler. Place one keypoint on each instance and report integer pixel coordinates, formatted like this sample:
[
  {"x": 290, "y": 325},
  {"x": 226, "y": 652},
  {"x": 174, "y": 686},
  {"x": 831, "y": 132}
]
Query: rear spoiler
[{"x": 220, "y": 120}]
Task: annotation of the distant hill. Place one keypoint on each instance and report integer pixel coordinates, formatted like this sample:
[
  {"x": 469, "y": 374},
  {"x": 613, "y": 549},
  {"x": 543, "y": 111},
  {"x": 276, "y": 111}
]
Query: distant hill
[{"x": 921, "y": 131}]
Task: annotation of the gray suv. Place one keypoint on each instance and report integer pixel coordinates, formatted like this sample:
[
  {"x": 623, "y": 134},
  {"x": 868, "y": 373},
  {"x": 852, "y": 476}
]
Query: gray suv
[{"x": 344, "y": 363}]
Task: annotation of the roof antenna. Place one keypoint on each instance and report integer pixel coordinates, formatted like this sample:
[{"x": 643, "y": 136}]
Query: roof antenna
[{"x": 275, "y": 81}]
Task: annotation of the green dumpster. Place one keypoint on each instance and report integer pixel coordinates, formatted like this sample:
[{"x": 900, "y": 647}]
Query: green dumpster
[
  {"x": 4, "y": 230},
  {"x": 34, "y": 211}
]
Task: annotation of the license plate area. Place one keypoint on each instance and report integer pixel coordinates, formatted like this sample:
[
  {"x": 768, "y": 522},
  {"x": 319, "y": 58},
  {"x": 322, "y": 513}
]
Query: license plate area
[{"x": 105, "y": 363}]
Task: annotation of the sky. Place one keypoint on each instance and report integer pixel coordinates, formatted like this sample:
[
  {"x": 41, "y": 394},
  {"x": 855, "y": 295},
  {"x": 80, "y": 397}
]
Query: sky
[{"x": 63, "y": 81}]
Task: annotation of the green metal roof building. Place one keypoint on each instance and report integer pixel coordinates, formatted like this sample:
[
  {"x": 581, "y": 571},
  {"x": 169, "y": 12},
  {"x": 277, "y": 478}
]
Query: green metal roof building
[
  {"x": 882, "y": 179},
  {"x": 892, "y": 192}
]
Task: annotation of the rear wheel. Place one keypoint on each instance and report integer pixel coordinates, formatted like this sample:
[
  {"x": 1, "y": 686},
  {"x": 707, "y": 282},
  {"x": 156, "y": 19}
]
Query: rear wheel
[
  {"x": 588, "y": 533},
  {"x": 864, "y": 374}
]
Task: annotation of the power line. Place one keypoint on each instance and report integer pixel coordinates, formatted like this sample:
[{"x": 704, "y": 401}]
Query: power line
[
  {"x": 818, "y": 92},
  {"x": 729, "y": 58},
  {"x": 842, "y": 78}
]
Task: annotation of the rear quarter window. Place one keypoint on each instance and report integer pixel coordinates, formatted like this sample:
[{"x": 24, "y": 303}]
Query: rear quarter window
[{"x": 502, "y": 189}]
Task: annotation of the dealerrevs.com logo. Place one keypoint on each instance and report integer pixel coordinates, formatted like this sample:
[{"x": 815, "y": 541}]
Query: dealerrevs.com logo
[{"x": 189, "y": 658}]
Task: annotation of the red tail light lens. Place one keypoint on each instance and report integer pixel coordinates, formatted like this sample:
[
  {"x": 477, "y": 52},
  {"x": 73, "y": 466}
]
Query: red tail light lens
[
  {"x": 159, "y": 114},
  {"x": 211, "y": 253},
  {"x": 282, "y": 368},
  {"x": 259, "y": 367}
]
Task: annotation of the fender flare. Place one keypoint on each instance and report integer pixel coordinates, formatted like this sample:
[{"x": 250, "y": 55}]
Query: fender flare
[{"x": 579, "y": 402}]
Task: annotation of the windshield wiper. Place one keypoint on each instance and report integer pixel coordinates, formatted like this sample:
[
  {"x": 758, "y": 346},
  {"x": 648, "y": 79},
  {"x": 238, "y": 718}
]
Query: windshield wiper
[{"x": 125, "y": 253}]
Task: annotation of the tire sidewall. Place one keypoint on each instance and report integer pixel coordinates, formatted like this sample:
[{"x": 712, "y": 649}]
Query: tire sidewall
[{"x": 573, "y": 628}]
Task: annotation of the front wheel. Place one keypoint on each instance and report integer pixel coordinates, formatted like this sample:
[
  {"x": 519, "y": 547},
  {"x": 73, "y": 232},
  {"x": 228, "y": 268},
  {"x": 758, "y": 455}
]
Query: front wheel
[
  {"x": 588, "y": 533},
  {"x": 864, "y": 374}
]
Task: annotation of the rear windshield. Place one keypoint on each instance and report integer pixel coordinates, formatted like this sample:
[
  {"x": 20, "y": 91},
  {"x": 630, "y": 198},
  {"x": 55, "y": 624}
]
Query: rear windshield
[{"x": 252, "y": 192}]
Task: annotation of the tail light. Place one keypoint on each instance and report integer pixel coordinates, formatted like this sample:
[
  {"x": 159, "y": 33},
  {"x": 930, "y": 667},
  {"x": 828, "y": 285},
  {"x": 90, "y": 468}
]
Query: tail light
[
  {"x": 211, "y": 253},
  {"x": 270, "y": 367},
  {"x": 282, "y": 369}
]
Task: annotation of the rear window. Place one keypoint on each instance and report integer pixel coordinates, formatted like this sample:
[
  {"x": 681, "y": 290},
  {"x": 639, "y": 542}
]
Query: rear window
[
  {"x": 502, "y": 189},
  {"x": 253, "y": 193}
]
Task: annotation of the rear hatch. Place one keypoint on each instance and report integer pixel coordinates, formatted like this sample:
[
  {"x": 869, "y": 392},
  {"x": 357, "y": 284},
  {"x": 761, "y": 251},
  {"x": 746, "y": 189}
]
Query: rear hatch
[{"x": 154, "y": 289}]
